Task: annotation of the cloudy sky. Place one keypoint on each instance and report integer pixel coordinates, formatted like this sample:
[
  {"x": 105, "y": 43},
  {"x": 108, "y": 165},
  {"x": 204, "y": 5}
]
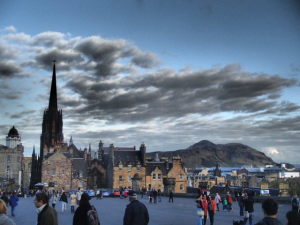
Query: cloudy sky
[{"x": 167, "y": 73}]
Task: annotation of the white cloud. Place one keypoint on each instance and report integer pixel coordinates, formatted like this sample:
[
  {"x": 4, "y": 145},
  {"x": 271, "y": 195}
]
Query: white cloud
[
  {"x": 271, "y": 151},
  {"x": 10, "y": 29}
]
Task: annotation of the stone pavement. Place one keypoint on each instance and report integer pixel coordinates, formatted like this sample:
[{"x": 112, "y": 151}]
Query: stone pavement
[{"x": 111, "y": 211}]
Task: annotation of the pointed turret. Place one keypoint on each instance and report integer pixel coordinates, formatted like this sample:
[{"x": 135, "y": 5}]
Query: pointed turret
[
  {"x": 71, "y": 141},
  {"x": 53, "y": 92}
]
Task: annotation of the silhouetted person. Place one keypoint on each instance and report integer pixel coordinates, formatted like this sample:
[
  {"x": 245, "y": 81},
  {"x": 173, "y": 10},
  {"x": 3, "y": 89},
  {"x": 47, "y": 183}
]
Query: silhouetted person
[
  {"x": 171, "y": 197},
  {"x": 270, "y": 208},
  {"x": 136, "y": 212}
]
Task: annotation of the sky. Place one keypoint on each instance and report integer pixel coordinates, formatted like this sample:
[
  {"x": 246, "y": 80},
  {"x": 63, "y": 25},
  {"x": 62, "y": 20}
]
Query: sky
[{"x": 165, "y": 73}]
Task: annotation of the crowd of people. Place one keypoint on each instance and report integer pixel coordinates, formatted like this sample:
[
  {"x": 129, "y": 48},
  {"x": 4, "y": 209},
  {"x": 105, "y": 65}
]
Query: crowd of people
[
  {"x": 136, "y": 212},
  {"x": 207, "y": 206}
]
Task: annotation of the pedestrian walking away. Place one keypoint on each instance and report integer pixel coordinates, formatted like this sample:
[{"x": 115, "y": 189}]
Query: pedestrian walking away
[
  {"x": 136, "y": 212},
  {"x": 270, "y": 208},
  {"x": 212, "y": 208},
  {"x": 249, "y": 209},
  {"x": 13, "y": 202},
  {"x": 46, "y": 214},
  {"x": 171, "y": 197},
  {"x": 4, "y": 219},
  {"x": 85, "y": 214},
  {"x": 54, "y": 199},
  {"x": 73, "y": 202},
  {"x": 64, "y": 201}
]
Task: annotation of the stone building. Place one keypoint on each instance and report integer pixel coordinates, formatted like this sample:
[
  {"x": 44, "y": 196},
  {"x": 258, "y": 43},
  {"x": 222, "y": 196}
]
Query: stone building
[
  {"x": 26, "y": 168},
  {"x": 11, "y": 157},
  {"x": 59, "y": 165},
  {"x": 165, "y": 175},
  {"x": 63, "y": 166}
]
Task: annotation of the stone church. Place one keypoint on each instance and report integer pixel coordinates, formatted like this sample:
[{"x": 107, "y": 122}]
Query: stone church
[{"x": 61, "y": 165}]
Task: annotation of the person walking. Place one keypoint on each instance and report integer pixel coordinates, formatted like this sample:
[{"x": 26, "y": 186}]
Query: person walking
[
  {"x": 205, "y": 208},
  {"x": 200, "y": 211},
  {"x": 211, "y": 208},
  {"x": 136, "y": 212},
  {"x": 154, "y": 196},
  {"x": 54, "y": 199},
  {"x": 293, "y": 216},
  {"x": 217, "y": 200},
  {"x": 249, "y": 209},
  {"x": 64, "y": 201},
  {"x": 171, "y": 196},
  {"x": 46, "y": 214},
  {"x": 4, "y": 219},
  {"x": 159, "y": 195},
  {"x": 78, "y": 195},
  {"x": 13, "y": 202},
  {"x": 270, "y": 208},
  {"x": 73, "y": 202},
  {"x": 86, "y": 213},
  {"x": 229, "y": 201},
  {"x": 240, "y": 200}
]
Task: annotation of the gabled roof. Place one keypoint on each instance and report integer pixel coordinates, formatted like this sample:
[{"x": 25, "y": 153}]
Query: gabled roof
[
  {"x": 127, "y": 157},
  {"x": 150, "y": 166}
]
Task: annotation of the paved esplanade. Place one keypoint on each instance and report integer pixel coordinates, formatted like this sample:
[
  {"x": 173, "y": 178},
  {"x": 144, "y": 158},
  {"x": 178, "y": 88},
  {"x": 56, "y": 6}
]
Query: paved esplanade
[{"x": 111, "y": 211}]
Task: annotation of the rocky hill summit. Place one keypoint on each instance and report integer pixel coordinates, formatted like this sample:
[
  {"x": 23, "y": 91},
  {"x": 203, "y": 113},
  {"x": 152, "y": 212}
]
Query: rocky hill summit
[{"x": 207, "y": 154}]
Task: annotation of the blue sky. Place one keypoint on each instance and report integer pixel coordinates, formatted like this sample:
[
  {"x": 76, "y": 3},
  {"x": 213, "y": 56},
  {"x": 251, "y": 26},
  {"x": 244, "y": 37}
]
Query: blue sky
[{"x": 247, "y": 52}]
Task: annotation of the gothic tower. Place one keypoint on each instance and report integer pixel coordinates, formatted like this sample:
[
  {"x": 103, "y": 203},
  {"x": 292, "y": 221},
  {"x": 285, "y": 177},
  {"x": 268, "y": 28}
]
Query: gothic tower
[{"x": 52, "y": 128}]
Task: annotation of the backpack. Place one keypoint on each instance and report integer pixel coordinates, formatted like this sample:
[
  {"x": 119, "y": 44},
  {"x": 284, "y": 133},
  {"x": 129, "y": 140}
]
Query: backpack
[
  {"x": 210, "y": 207},
  {"x": 93, "y": 216}
]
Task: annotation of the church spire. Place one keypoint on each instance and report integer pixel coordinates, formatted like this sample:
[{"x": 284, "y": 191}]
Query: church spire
[{"x": 53, "y": 92}]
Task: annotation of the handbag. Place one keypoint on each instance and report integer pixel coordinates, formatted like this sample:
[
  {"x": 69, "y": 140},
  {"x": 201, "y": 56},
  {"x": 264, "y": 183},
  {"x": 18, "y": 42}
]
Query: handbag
[
  {"x": 200, "y": 212},
  {"x": 247, "y": 214}
]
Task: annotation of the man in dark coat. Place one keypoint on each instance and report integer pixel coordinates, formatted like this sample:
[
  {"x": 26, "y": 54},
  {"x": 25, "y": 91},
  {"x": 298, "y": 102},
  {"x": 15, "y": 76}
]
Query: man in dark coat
[
  {"x": 136, "y": 212},
  {"x": 46, "y": 214},
  {"x": 249, "y": 209},
  {"x": 270, "y": 208},
  {"x": 293, "y": 216}
]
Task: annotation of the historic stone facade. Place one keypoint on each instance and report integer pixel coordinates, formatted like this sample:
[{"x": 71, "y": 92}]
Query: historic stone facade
[
  {"x": 26, "y": 168},
  {"x": 11, "y": 161}
]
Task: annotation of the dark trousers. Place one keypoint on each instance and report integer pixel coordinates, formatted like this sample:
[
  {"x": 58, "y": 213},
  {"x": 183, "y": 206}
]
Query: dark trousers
[
  {"x": 53, "y": 205},
  {"x": 241, "y": 210},
  {"x": 72, "y": 209},
  {"x": 204, "y": 219},
  {"x": 12, "y": 211},
  {"x": 170, "y": 199},
  {"x": 211, "y": 217}
]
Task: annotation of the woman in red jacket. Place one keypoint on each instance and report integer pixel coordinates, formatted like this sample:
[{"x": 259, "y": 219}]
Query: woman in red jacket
[{"x": 205, "y": 209}]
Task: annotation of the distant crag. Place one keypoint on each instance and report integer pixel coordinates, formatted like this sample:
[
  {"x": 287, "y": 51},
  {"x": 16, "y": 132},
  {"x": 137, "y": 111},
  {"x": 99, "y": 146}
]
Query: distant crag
[{"x": 207, "y": 154}]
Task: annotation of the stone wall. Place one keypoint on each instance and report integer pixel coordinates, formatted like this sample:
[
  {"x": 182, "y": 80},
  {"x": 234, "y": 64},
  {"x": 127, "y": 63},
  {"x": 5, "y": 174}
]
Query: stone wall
[
  {"x": 123, "y": 174},
  {"x": 57, "y": 169}
]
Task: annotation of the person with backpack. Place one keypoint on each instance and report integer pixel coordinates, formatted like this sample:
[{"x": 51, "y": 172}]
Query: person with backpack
[
  {"x": 211, "y": 208},
  {"x": 64, "y": 201},
  {"x": 85, "y": 214},
  {"x": 295, "y": 202}
]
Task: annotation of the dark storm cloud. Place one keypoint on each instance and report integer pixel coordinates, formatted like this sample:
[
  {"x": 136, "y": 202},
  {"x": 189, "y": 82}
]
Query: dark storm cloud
[
  {"x": 64, "y": 59},
  {"x": 49, "y": 39},
  {"x": 9, "y": 69},
  {"x": 106, "y": 54},
  {"x": 145, "y": 60},
  {"x": 168, "y": 94}
]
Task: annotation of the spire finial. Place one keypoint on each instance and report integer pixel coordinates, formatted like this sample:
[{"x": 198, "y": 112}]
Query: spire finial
[{"x": 53, "y": 92}]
